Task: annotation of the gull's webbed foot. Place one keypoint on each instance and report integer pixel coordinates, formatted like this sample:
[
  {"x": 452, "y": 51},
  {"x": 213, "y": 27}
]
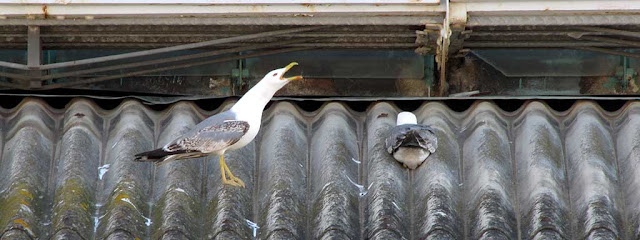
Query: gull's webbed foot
[{"x": 224, "y": 171}]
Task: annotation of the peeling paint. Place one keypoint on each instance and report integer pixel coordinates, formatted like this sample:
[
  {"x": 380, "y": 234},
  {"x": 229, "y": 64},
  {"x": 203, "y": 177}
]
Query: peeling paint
[{"x": 45, "y": 12}]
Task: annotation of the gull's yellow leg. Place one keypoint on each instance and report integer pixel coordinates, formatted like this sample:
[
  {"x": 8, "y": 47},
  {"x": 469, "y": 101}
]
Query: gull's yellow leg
[{"x": 224, "y": 170}]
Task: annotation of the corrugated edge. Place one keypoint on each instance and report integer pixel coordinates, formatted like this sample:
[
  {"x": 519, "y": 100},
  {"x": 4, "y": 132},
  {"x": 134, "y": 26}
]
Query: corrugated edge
[
  {"x": 24, "y": 170},
  {"x": 77, "y": 172},
  {"x": 438, "y": 183},
  {"x": 283, "y": 172},
  {"x": 541, "y": 172},
  {"x": 488, "y": 173},
  {"x": 126, "y": 186},
  {"x": 593, "y": 175},
  {"x": 387, "y": 204},
  {"x": 628, "y": 153},
  {"x": 335, "y": 189},
  {"x": 176, "y": 210},
  {"x": 227, "y": 207}
]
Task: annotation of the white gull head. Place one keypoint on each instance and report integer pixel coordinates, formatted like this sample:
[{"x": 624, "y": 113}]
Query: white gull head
[
  {"x": 276, "y": 77},
  {"x": 249, "y": 108},
  {"x": 254, "y": 101},
  {"x": 406, "y": 118}
]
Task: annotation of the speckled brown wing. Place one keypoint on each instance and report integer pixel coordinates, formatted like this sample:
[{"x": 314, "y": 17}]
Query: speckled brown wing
[{"x": 211, "y": 138}]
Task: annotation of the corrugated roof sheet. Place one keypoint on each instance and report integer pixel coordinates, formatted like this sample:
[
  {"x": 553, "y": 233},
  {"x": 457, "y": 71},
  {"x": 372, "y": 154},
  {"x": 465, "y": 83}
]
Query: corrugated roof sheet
[{"x": 530, "y": 174}]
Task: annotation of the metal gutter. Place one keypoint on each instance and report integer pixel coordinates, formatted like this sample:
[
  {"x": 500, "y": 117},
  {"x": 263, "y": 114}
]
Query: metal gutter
[{"x": 481, "y": 13}]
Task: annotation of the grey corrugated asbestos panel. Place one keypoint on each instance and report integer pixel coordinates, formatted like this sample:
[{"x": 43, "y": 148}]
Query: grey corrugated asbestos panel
[{"x": 530, "y": 174}]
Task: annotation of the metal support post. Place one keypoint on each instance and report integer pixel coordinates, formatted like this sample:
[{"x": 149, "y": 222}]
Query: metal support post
[
  {"x": 451, "y": 39},
  {"x": 34, "y": 56}
]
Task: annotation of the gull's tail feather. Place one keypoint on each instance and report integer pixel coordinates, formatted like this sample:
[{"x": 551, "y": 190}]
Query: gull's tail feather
[
  {"x": 161, "y": 156},
  {"x": 156, "y": 155}
]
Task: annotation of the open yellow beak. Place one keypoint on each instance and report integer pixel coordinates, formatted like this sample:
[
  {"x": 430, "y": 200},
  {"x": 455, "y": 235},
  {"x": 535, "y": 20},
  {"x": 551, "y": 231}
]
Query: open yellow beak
[{"x": 287, "y": 69}]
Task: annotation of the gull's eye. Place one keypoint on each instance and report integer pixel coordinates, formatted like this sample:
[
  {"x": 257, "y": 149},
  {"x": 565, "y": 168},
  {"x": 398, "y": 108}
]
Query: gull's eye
[{"x": 275, "y": 74}]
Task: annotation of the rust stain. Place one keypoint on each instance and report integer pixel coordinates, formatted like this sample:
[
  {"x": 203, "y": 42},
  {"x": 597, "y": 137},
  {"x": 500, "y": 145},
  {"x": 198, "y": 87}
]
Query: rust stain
[
  {"x": 45, "y": 13},
  {"x": 383, "y": 115},
  {"x": 311, "y": 7},
  {"x": 257, "y": 8}
]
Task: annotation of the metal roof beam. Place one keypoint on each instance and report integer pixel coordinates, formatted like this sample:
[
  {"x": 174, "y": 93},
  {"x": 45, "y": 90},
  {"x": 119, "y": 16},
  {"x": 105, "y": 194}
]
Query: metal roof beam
[
  {"x": 325, "y": 12},
  {"x": 176, "y": 48},
  {"x": 501, "y": 7},
  {"x": 14, "y": 65},
  {"x": 608, "y": 40},
  {"x": 34, "y": 56},
  {"x": 93, "y": 9},
  {"x": 298, "y": 20},
  {"x": 611, "y": 31}
]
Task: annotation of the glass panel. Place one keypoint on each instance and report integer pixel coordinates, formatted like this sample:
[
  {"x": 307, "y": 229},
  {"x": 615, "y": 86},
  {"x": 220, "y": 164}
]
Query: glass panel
[
  {"x": 344, "y": 64},
  {"x": 14, "y": 56},
  {"x": 216, "y": 69},
  {"x": 550, "y": 62}
]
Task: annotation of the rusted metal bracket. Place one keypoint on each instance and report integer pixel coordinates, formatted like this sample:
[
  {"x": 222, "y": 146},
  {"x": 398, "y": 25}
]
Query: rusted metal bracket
[
  {"x": 626, "y": 77},
  {"x": 454, "y": 35},
  {"x": 240, "y": 73},
  {"x": 448, "y": 39}
]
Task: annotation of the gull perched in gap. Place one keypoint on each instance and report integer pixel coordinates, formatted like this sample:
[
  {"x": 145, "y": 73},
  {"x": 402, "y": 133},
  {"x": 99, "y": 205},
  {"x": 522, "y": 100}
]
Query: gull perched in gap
[
  {"x": 409, "y": 142},
  {"x": 228, "y": 130}
]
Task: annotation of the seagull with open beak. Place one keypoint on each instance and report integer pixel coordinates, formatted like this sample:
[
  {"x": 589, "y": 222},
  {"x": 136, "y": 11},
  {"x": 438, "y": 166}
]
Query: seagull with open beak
[{"x": 228, "y": 130}]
